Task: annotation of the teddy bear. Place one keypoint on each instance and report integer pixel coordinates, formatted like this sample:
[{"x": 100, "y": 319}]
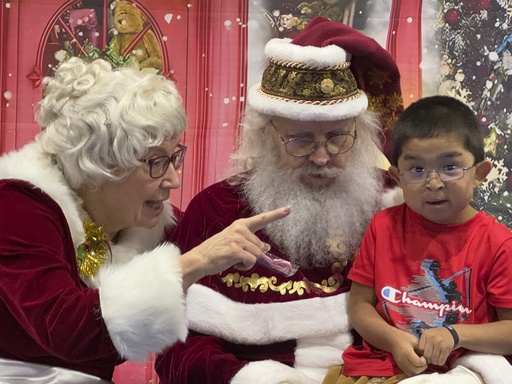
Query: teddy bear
[{"x": 128, "y": 22}]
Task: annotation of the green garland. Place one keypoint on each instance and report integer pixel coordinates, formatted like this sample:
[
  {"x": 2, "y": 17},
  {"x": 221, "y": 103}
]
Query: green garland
[{"x": 109, "y": 54}]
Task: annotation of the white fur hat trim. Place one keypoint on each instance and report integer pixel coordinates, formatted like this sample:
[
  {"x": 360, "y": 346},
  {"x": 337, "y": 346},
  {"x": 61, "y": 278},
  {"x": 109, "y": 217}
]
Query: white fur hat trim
[
  {"x": 301, "y": 111},
  {"x": 318, "y": 57}
]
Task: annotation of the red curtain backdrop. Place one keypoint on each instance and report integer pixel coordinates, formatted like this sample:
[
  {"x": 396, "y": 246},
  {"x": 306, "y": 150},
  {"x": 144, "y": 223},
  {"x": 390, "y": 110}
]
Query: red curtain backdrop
[
  {"x": 404, "y": 44},
  {"x": 214, "y": 92}
]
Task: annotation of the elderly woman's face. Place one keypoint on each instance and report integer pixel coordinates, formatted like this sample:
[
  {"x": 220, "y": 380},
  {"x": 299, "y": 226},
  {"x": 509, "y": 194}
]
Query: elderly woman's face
[
  {"x": 298, "y": 132},
  {"x": 138, "y": 199}
]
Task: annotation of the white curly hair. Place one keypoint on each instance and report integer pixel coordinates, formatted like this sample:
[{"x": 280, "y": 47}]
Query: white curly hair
[{"x": 98, "y": 123}]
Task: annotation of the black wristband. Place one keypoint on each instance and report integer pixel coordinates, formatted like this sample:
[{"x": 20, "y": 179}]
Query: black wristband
[{"x": 454, "y": 334}]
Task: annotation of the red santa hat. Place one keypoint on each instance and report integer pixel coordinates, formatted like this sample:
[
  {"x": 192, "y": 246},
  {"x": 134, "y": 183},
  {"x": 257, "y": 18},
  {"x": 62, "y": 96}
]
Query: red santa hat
[{"x": 328, "y": 72}]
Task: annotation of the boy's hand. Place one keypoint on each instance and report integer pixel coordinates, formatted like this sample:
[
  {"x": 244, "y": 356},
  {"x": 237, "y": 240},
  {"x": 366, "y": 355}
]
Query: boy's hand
[
  {"x": 435, "y": 345},
  {"x": 404, "y": 353}
]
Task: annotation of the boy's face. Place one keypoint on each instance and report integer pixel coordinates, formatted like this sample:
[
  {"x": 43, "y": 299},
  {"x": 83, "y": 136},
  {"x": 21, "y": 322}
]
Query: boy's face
[{"x": 442, "y": 202}]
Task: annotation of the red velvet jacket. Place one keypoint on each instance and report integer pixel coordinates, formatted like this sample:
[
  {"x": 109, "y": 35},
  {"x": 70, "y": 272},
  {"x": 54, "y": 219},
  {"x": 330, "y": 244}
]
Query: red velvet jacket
[{"x": 48, "y": 315}]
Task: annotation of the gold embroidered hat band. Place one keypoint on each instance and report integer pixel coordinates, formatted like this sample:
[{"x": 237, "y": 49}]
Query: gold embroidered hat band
[{"x": 296, "y": 81}]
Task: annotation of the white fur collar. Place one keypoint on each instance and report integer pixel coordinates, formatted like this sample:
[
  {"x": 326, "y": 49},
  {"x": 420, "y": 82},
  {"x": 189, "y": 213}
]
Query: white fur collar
[{"x": 31, "y": 164}]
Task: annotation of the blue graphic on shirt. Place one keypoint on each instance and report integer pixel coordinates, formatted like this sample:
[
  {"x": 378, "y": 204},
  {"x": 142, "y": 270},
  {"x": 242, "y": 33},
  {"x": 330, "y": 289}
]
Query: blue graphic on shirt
[{"x": 429, "y": 301}]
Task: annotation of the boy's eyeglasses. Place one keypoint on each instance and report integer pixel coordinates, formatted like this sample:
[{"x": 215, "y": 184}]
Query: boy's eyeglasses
[
  {"x": 159, "y": 165},
  {"x": 419, "y": 175},
  {"x": 305, "y": 146}
]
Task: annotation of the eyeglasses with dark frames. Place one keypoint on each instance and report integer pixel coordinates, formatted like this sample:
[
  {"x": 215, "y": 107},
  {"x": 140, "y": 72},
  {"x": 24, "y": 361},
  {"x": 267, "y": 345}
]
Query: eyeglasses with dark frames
[
  {"x": 418, "y": 175},
  {"x": 305, "y": 146},
  {"x": 159, "y": 165}
]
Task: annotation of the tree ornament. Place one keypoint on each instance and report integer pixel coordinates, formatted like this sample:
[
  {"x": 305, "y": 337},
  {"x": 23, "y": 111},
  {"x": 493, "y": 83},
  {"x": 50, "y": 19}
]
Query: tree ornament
[
  {"x": 482, "y": 71},
  {"x": 485, "y": 5},
  {"x": 473, "y": 6},
  {"x": 92, "y": 253},
  {"x": 509, "y": 182},
  {"x": 482, "y": 119},
  {"x": 452, "y": 16}
]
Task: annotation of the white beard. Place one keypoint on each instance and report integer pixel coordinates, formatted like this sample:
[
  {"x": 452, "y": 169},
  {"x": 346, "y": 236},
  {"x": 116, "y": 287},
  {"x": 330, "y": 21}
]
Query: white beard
[{"x": 326, "y": 224}]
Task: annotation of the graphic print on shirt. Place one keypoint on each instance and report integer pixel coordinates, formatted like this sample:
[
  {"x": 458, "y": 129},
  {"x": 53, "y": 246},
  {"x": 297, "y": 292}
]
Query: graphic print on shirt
[{"x": 430, "y": 300}]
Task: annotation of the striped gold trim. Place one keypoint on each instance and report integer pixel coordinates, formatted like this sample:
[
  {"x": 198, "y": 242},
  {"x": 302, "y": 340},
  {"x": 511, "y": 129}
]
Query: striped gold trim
[
  {"x": 302, "y": 83},
  {"x": 291, "y": 64}
]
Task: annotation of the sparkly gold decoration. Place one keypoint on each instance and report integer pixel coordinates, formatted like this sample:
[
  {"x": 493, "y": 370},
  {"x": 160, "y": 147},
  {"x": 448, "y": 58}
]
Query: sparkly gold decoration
[
  {"x": 491, "y": 142},
  {"x": 304, "y": 84},
  {"x": 327, "y": 85},
  {"x": 92, "y": 253},
  {"x": 263, "y": 284}
]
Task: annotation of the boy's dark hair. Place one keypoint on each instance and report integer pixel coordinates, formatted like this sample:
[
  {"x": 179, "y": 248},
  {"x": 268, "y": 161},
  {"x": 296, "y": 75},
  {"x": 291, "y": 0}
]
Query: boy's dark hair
[{"x": 438, "y": 116}]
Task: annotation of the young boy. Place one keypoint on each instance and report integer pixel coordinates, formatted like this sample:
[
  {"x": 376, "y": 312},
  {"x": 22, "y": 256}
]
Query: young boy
[{"x": 433, "y": 276}]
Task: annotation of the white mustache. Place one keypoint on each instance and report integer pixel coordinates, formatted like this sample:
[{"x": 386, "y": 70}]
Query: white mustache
[{"x": 314, "y": 170}]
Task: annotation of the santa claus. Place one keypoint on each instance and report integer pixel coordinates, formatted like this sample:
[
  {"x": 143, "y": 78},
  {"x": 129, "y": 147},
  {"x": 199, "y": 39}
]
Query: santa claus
[{"x": 311, "y": 138}]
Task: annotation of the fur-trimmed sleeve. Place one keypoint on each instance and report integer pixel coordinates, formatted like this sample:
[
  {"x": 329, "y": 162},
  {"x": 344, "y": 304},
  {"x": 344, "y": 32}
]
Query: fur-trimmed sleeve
[{"x": 143, "y": 304}]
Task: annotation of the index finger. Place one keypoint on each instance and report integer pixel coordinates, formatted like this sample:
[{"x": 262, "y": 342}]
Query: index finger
[{"x": 255, "y": 223}]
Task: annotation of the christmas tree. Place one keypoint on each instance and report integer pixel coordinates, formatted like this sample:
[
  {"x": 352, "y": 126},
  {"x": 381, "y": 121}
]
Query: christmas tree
[{"x": 475, "y": 42}]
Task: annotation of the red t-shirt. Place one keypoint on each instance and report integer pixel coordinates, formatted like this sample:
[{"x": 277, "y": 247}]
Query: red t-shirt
[{"x": 426, "y": 274}]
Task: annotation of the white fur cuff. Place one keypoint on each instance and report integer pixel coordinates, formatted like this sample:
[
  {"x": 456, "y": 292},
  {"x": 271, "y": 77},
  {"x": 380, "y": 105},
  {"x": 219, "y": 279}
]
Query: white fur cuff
[
  {"x": 495, "y": 369},
  {"x": 142, "y": 302},
  {"x": 314, "y": 356},
  {"x": 270, "y": 372},
  {"x": 392, "y": 197}
]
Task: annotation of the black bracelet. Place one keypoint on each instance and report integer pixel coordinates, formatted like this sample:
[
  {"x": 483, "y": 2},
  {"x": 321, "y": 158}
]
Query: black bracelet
[{"x": 454, "y": 334}]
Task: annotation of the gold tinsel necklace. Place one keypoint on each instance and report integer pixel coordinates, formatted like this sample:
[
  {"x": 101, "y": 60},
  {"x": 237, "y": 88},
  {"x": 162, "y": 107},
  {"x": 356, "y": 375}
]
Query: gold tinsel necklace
[{"x": 92, "y": 253}]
